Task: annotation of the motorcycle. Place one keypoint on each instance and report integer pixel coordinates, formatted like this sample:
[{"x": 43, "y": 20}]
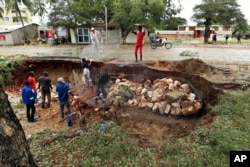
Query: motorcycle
[{"x": 161, "y": 42}]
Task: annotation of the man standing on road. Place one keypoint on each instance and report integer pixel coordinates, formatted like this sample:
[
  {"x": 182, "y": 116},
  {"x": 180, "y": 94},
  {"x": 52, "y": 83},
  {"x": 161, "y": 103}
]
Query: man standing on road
[
  {"x": 94, "y": 34},
  {"x": 214, "y": 38},
  {"x": 139, "y": 42},
  {"x": 239, "y": 38},
  {"x": 227, "y": 36},
  {"x": 29, "y": 99},
  {"x": 44, "y": 83}
]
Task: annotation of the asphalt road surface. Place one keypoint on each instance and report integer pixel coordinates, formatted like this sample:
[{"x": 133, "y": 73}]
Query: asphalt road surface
[{"x": 236, "y": 54}]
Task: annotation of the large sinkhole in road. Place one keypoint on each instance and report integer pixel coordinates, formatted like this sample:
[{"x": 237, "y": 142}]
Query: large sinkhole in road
[{"x": 140, "y": 95}]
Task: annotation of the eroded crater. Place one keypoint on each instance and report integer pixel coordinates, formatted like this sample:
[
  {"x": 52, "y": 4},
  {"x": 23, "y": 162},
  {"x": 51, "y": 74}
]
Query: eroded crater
[{"x": 148, "y": 127}]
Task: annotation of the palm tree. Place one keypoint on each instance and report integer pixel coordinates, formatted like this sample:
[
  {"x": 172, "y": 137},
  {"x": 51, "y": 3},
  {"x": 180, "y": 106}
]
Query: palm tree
[{"x": 1, "y": 11}]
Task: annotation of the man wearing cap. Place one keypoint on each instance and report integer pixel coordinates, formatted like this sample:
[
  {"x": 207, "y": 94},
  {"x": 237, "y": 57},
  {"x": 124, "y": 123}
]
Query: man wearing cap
[
  {"x": 64, "y": 91},
  {"x": 94, "y": 39},
  {"x": 44, "y": 82}
]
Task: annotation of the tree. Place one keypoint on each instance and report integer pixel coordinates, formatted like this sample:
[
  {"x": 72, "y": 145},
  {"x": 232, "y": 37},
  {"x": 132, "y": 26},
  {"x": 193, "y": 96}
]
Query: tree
[
  {"x": 61, "y": 15},
  {"x": 153, "y": 13},
  {"x": 169, "y": 20},
  {"x": 14, "y": 148},
  {"x": 173, "y": 23},
  {"x": 98, "y": 10},
  {"x": 225, "y": 12},
  {"x": 13, "y": 5},
  {"x": 1, "y": 12},
  {"x": 128, "y": 13},
  {"x": 35, "y": 7}
]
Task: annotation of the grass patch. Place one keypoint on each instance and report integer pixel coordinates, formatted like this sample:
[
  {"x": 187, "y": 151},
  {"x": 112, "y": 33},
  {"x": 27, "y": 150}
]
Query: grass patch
[
  {"x": 204, "y": 147},
  {"x": 211, "y": 146},
  {"x": 188, "y": 53},
  {"x": 91, "y": 148}
]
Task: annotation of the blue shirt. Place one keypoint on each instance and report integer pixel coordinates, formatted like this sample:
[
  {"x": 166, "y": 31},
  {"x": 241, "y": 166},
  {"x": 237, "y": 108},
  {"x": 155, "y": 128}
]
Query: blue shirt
[
  {"x": 28, "y": 95},
  {"x": 63, "y": 91}
]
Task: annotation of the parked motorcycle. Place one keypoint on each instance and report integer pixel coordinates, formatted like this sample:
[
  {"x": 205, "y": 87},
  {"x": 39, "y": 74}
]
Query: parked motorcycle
[{"x": 158, "y": 43}]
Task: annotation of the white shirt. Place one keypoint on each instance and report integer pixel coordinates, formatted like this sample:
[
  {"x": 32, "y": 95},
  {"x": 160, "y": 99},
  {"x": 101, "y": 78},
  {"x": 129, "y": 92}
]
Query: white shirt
[
  {"x": 86, "y": 75},
  {"x": 94, "y": 36}
]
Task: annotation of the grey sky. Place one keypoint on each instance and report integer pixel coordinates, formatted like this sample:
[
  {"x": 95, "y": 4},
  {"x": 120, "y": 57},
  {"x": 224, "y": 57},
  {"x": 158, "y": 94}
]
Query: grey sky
[{"x": 188, "y": 5}]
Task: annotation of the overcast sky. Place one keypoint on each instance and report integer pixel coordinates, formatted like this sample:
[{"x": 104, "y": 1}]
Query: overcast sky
[
  {"x": 188, "y": 5},
  {"x": 187, "y": 10}
]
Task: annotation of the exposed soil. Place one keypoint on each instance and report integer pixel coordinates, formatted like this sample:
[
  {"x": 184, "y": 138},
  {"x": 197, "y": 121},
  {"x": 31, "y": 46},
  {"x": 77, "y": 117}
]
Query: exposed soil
[{"x": 148, "y": 128}]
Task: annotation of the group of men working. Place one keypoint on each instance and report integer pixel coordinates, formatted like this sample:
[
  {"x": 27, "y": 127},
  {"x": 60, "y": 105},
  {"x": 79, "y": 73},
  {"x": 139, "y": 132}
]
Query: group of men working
[
  {"x": 29, "y": 90},
  {"x": 87, "y": 79}
]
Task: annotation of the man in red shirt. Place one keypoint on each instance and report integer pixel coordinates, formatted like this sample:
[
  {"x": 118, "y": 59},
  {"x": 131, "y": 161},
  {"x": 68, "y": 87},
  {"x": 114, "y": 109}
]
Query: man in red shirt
[
  {"x": 32, "y": 80},
  {"x": 139, "y": 42}
]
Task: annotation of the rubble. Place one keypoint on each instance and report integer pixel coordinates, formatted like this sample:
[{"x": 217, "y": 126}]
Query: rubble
[{"x": 165, "y": 96}]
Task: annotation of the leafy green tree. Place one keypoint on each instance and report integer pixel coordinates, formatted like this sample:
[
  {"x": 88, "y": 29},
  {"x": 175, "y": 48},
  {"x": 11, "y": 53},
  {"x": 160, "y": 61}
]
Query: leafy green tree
[
  {"x": 61, "y": 15},
  {"x": 128, "y": 13},
  {"x": 98, "y": 10},
  {"x": 173, "y": 23},
  {"x": 155, "y": 14},
  {"x": 79, "y": 12},
  {"x": 169, "y": 20},
  {"x": 225, "y": 12}
]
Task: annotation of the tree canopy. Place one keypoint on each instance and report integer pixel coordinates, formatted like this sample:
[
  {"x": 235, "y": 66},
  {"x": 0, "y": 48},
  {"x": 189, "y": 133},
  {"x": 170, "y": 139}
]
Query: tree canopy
[
  {"x": 155, "y": 14},
  {"x": 224, "y": 12}
]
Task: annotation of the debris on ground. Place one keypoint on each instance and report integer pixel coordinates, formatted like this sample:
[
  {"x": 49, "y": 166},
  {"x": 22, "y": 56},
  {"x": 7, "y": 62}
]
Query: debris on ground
[{"x": 165, "y": 96}]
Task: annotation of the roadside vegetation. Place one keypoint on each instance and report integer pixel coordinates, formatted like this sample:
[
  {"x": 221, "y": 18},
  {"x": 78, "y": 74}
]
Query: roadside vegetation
[
  {"x": 206, "y": 146},
  {"x": 8, "y": 66}
]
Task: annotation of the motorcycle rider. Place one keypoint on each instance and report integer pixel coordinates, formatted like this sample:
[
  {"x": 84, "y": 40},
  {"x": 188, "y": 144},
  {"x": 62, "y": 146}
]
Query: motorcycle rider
[{"x": 158, "y": 37}]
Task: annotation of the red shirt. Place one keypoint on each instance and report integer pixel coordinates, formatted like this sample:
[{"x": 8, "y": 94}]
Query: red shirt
[
  {"x": 32, "y": 82},
  {"x": 139, "y": 37}
]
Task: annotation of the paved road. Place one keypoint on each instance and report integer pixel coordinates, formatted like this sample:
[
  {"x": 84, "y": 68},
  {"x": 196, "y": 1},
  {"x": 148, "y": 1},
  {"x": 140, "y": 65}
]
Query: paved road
[{"x": 238, "y": 54}]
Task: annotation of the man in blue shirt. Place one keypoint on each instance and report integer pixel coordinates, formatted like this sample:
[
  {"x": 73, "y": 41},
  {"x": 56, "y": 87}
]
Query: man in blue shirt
[
  {"x": 29, "y": 99},
  {"x": 63, "y": 95}
]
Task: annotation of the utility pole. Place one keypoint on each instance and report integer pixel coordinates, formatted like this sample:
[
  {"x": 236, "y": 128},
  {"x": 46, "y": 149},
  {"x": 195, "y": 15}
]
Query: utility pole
[
  {"x": 20, "y": 16},
  {"x": 106, "y": 23}
]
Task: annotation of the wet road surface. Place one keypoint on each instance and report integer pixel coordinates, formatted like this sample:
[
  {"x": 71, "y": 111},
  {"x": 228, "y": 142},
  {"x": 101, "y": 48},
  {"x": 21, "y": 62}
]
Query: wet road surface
[{"x": 233, "y": 54}]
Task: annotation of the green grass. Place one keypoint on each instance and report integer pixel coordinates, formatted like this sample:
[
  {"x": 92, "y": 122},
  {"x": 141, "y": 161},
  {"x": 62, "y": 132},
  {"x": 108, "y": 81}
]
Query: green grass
[
  {"x": 210, "y": 147},
  {"x": 91, "y": 148},
  {"x": 204, "y": 147}
]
